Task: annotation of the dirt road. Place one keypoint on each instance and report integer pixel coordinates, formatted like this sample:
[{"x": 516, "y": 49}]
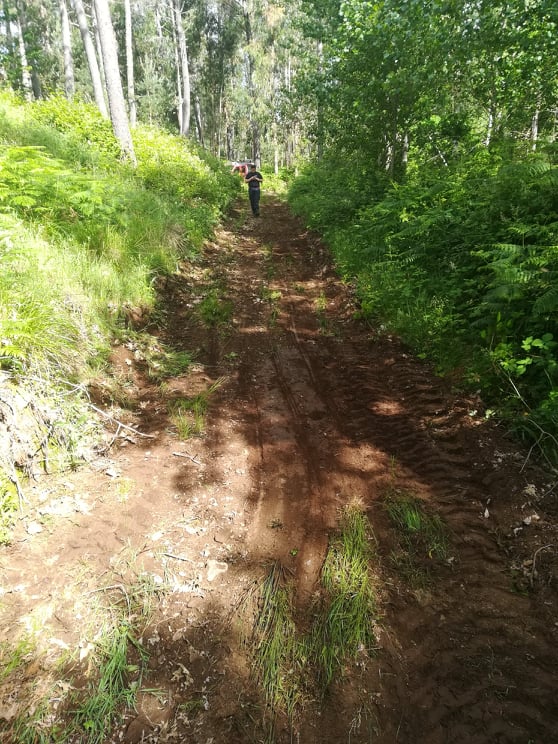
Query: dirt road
[{"x": 311, "y": 409}]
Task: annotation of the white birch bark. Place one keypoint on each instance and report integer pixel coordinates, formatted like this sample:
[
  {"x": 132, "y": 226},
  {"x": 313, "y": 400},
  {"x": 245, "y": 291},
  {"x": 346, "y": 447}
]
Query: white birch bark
[
  {"x": 130, "y": 64},
  {"x": 184, "y": 116},
  {"x": 91, "y": 57},
  {"x": 115, "y": 93},
  {"x": 25, "y": 75},
  {"x": 69, "y": 81}
]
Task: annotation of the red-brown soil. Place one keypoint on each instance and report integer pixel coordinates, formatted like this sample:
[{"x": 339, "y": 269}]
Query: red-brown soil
[{"x": 315, "y": 409}]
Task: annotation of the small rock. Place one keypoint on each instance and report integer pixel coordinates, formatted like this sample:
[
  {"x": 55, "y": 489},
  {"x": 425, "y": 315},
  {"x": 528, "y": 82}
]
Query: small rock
[
  {"x": 215, "y": 568},
  {"x": 33, "y": 528}
]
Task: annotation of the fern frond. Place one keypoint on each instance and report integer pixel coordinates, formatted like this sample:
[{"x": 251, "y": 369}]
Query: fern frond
[{"x": 546, "y": 303}]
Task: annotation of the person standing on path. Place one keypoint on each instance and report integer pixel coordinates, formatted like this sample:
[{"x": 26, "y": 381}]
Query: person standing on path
[{"x": 253, "y": 178}]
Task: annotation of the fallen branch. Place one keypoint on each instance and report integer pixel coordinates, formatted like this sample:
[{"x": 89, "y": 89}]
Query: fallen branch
[
  {"x": 178, "y": 558},
  {"x": 120, "y": 424},
  {"x": 187, "y": 455}
]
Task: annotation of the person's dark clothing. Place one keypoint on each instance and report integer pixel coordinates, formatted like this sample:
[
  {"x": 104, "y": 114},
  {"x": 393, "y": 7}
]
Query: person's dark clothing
[{"x": 254, "y": 190}]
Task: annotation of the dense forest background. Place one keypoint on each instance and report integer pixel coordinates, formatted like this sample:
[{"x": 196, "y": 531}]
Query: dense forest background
[{"x": 418, "y": 138}]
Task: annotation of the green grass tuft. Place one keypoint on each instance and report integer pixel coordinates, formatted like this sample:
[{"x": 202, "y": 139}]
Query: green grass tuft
[
  {"x": 346, "y": 624},
  {"x": 422, "y": 532},
  {"x": 279, "y": 655}
]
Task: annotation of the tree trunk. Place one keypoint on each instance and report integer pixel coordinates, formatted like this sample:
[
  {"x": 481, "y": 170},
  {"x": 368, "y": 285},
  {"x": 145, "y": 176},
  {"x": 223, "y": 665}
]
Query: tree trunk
[
  {"x": 69, "y": 81},
  {"x": 182, "y": 49},
  {"x": 98, "y": 50},
  {"x": 25, "y": 76},
  {"x": 177, "y": 68},
  {"x": 198, "y": 116},
  {"x": 115, "y": 94},
  {"x": 489, "y": 128},
  {"x": 535, "y": 130},
  {"x": 29, "y": 71},
  {"x": 130, "y": 64},
  {"x": 11, "y": 62},
  {"x": 91, "y": 56},
  {"x": 254, "y": 124}
]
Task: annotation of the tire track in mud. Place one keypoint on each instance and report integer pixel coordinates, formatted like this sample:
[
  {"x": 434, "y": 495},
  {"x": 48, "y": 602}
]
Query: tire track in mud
[{"x": 347, "y": 414}]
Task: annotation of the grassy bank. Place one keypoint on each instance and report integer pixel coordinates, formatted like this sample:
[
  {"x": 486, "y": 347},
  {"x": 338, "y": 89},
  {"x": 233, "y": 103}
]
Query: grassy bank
[{"x": 84, "y": 240}]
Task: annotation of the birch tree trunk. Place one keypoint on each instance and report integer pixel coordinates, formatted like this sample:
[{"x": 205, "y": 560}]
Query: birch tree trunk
[
  {"x": 69, "y": 81},
  {"x": 130, "y": 64},
  {"x": 199, "y": 121},
  {"x": 25, "y": 76},
  {"x": 254, "y": 125},
  {"x": 535, "y": 129},
  {"x": 184, "y": 98},
  {"x": 91, "y": 57},
  {"x": 176, "y": 67},
  {"x": 115, "y": 94},
  {"x": 30, "y": 77}
]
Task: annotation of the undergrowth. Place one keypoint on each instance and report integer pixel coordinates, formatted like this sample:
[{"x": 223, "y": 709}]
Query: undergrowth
[
  {"x": 294, "y": 666},
  {"x": 462, "y": 263},
  {"x": 422, "y": 537},
  {"x": 83, "y": 693},
  {"x": 84, "y": 239}
]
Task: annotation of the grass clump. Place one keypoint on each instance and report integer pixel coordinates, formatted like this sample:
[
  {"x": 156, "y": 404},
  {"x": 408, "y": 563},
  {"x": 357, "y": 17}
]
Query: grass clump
[
  {"x": 81, "y": 695},
  {"x": 345, "y": 627},
  {"x": 8, "y": 507},
  {"x": 421, "y": 536},
  {"x": 295, "y": 667},
  {"x": 279, "y": 651},
  {"x": 214, "y": 310},
  {"x": 112, "y": 691},
  {"x": 188, "y": 414}
]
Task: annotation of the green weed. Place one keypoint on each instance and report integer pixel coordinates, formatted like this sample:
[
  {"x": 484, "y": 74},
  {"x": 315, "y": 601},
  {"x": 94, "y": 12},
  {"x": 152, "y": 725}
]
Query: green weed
[
  {"x": 113, "y": 691},
  {"x": 188, "y": 414},
  {"x": 420, "y": 530},
  {"x": 272, "y": 296},
  {"x": 279, "y": 653},
  {"x": 294, "y": 667},
  {"x": 9, "y": 503},
  {"x": 214, "y": 310},
  {"x": 345, "y": 627},
  {"x": 12, "y": 658}
]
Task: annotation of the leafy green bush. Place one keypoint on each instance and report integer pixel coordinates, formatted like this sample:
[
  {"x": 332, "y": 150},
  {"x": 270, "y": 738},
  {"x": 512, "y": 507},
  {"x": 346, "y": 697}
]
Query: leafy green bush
[{"x": 466, "y": 254}]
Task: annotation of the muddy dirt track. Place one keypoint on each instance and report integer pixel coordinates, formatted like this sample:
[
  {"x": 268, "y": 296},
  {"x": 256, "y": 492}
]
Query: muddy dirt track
[{"x": 313, "y": 409}]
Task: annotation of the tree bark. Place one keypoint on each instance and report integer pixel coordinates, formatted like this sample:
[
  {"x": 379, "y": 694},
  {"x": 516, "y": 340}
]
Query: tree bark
[
  {"x": 254, "y": 124},
  {"x": 115, "y": 93},
  {"x": 69, "y": 81},
  {"x": 199, "y": 122},
  {"x": 535, "y": 129},
  {"x": 25, "y": 76},
  {"x": 30, "y": 77},
  {"x": 91, "y": 56},
  {"x": 130, "y": 64},
  {"x": 184, "y": 94}
]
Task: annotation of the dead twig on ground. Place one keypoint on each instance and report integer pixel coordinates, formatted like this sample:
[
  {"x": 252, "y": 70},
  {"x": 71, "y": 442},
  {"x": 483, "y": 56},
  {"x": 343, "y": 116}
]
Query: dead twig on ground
[
  {"x": 179, "y": 558},
  {"x": 187, "y": 455},
  {"x": 120, "y": 424}
]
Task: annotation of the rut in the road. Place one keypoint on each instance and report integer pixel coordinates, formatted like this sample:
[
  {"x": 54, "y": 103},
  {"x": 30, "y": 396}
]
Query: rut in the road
[{"x": 340, "y": 413}]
